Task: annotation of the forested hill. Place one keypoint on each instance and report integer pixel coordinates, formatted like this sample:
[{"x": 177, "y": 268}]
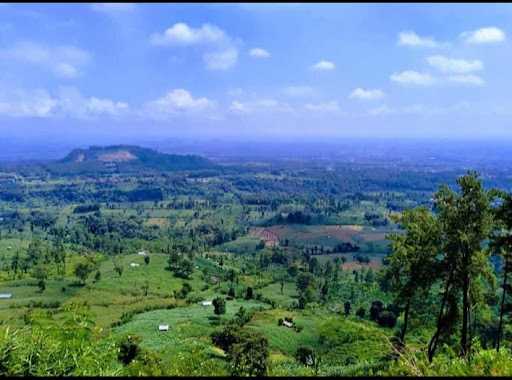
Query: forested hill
[{"x": 124, "y": 158}]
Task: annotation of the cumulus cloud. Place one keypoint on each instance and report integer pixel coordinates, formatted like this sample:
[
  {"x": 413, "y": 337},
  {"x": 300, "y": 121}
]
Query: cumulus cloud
[
  {"x": 323, "y": 66},
  {"x": 177, "y": 101},
  {"x": 410, "y": 38},
  {"x": 182, "y": 34},
  {"x": 471, "y": 80},
  {"x": 259, "y": 53},
  {"x": 220, "y": 51},
  {"x": 68, "y": 102},
  {"x": 450, "y": 65},
  {"x": 32, "y": 103},
  {"x": 369, "y": 94},
  {"x": 63, "y": 61},
  {"x": 221, "y": 60},
  {"x": 487, "y": 35},
  {"x": 410, "y": 77},
  {"x": 331, "y": 106}
]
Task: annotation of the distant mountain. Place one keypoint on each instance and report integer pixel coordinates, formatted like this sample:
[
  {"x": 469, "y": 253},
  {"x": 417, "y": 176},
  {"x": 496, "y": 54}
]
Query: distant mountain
[{"x": 125, "y": 158}]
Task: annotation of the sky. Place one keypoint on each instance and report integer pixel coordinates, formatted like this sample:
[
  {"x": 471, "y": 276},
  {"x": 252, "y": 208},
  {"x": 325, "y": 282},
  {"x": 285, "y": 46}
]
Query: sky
[{"x": 306, "y": 71}]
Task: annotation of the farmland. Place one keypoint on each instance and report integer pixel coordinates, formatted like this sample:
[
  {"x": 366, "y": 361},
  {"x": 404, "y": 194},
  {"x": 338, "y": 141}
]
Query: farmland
[{"x": 300, "y": 267}]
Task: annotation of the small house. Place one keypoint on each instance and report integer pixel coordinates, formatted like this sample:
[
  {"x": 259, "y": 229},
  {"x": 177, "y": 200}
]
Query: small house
[
  {"x": 163, "y": 327},
  {"x": 134, "y": 265},
  {"x": 287, "y": 323},
  {"x": 206, "y": 303},
  {"x": 142, "y": 253},
  {"x": 5, "y": 296}
]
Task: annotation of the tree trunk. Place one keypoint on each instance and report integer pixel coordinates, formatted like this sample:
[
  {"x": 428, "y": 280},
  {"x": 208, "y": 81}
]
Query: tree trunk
[
  {"x": 406, "y": 320},
  {"x": 502, "y": 305},
  {"x": 432, "y": 345},
  {"x": 465, "y": 310}
]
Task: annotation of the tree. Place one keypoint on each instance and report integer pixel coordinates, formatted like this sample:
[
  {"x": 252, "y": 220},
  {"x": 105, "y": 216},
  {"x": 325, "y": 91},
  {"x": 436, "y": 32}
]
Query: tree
[
  {"x": 248, "y": 293},
  {"x": 386, "y": 318},
  {"x": 412, "y": 265},
  {"x": 347, "y": 307},
  {"x": 304, "y": 280},
  {"x": 375, "y": 309},
  {"x": 184, "y": 268},
  {"x": 185, "y": 290},
  {"x": 41, "y": 274},
  {"x": 466, "y": 220},
  {"x": 219, "y": 305},
  {"x": 306, "y": 356},
  {"x": 128, "y": 349},
  {"x": 146, "y": 259},
  {"x": 501, "y": 244},
  {"x": 82, "y": 271},
  {"x": 314, "y": 265},
  {"x": 226, "y": 337},
  {"x": 249, "y": 356},
  {"x": 361, "y": 312}
]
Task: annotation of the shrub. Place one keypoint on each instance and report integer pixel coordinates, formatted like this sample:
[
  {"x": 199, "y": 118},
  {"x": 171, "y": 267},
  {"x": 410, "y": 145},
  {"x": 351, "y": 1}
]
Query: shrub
[
  {"x": 128, "y": 349},
  {"x": 305, "y": 355}
]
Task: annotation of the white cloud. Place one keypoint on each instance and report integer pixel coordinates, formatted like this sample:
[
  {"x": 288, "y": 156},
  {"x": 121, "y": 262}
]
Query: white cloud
[
  {"x": 177, "y": 101},
  {"x": 220, "y": 53},
  {"x": 182, "y": 34},
  {"x": 63, "y": 61},
  {"x": 113, "y": 7},
  {"x": 331, "y": 106},
  {"x": 410, "y": 38},
  {"x": 370, "y": 94},
  {"x": 472, "y": 80},
  {"x": 450, "y": 65},
  {"x": 33, "y": 103},
  {"x": 410, "y": 77},
  {"x": 259, "y": 53},
  {"x": 237, "y": 106},
  {"x": 488, "y": 35},
  {"x": 323, "y": 66},
  {"x": 68, "y": 102},
  {"x": 221, "y": 60},
  {"x": 298, "y": 91}
]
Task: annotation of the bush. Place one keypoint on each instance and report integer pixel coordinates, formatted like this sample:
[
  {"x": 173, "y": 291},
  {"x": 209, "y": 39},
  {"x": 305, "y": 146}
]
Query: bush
[
  {"x": 128, "y": 349},
  {"x": 386, "y": 318},
  {"x": 375, "y": 309},
  {"x": 305, "y": 355},
  {"x": 219, "y": 305}
]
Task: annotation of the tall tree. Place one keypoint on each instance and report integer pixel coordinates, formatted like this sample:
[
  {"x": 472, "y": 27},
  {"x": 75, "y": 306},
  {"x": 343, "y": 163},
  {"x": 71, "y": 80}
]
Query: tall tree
[
  {"x": 501, "y": 244},
  {"x": 412, "y": 265},
  {"x": 466, "y": 220}
]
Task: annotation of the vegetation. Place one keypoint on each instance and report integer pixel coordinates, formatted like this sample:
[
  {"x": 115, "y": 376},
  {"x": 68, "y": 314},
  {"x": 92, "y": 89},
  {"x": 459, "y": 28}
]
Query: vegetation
[{"x": 294, "y": 270}]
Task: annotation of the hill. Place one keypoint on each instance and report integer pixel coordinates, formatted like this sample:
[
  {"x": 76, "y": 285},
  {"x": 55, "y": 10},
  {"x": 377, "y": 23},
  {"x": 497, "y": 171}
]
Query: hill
[{"x": 124, "y": 158}]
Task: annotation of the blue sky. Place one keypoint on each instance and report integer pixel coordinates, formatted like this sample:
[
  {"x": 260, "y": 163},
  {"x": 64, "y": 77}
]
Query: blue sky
[{"x": 245, "y": 70}]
